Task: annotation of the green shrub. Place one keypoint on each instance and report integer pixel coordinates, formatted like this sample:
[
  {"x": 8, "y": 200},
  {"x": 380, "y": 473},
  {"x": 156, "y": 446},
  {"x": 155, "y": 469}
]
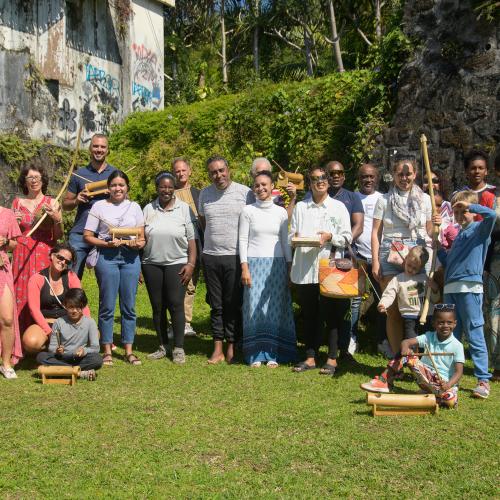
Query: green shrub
[{"x": 297, "y": 125}]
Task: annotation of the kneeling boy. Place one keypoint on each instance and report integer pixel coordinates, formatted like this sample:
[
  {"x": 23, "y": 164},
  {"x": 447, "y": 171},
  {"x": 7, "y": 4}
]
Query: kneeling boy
[
  {"x": 444, "y": 383},
  {"x": 75, "y": 339}
]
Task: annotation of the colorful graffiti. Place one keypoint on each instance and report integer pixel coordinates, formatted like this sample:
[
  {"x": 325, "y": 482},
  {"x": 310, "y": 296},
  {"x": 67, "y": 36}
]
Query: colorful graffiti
[
  {"x": 106, "y": 86},
  {"x": 146, "y": 78}
]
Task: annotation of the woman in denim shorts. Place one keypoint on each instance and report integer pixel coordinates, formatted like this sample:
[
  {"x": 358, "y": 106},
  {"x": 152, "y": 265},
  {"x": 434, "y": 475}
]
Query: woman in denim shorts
[{"x": 402, "y": 215}]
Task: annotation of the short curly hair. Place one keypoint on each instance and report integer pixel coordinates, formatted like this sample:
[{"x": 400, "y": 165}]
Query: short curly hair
[{"x": 37, "y": 165}]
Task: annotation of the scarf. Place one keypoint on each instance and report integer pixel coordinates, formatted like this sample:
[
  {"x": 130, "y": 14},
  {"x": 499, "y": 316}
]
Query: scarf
[{"x": 408, "y": 209}]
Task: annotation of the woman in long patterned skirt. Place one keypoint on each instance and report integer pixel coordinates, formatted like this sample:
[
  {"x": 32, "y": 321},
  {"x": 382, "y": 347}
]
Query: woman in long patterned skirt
[
  {"x": 268, "y": 326},
  {"x": 10, "y": 340},
  {"x": 31, "y": 254}
]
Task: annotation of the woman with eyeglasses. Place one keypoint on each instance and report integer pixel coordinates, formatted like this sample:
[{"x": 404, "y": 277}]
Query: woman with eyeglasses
[
  {"x": 402, "y": 219},
  {"x": 10, "y": 341},
  {"x": 31, "y": 254},
  {"x": 46, "y": 291},
  {"x": 118, "y": 265},
  {"x": 324, "y": 217}
]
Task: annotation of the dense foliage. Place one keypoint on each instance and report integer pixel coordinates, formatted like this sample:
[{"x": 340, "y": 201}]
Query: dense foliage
[
  {"x": 297, "y": 125},
  {"x": 213, "y": 47}
]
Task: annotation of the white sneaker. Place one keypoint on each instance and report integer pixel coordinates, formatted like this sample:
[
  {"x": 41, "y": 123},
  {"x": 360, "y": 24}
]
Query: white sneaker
[
  {"x": 384, "y": 348},
  {"x": 189, "y": 331},
  {"x": 159, "y": 354},
  {"x": 353, "y": 347},
  {"x": 8, "y": 373}
]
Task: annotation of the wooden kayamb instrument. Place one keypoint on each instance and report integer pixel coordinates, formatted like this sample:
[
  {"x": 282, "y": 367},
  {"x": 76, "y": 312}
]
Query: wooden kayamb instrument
[
  {"x": 435, "y": 232},
  {"x": 124, "y": 234},
  {"x": 285, "y": 177},
  {"x": 96, "y": 188},
  {"x": 402, "y": 404}
]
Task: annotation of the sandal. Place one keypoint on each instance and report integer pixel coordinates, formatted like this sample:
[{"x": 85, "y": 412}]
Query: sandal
[
  {"x": 133, "y": 359},
  {"x": 327, "y": 369},
  {"x": 107, "y": 360},
  {"x": 303, "y": 367}
]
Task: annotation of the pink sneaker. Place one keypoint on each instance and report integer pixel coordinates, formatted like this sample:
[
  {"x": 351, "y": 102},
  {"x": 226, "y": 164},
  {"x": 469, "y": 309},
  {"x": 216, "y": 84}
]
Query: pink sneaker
[{"x": 375, "y": 385}]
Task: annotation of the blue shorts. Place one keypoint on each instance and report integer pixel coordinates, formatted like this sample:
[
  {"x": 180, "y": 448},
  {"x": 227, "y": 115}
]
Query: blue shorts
[{"x": 389, "y": 269}]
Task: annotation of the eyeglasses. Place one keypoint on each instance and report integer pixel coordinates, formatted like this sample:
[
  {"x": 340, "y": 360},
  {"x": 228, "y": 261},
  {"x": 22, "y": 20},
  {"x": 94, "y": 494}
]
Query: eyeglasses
[
  {"x": 336, "y": 173},
  {"x": 444, "y": 307},
  {"x": 319, "y": 178},
  {"x": 60, "y": 258},
  {"x": 34, "y": 178}
]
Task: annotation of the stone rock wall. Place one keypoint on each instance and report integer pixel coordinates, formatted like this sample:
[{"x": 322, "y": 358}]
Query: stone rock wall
[{"x": 450, "y": 90}]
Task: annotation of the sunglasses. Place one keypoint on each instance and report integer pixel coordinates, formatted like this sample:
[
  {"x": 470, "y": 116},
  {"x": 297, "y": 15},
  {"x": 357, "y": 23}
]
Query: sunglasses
[
  {"x": 334, "y": 173},
  {"x": 34, "y": 178},
  {"x": 444, "y": 307},
  {"x": 60, "y": 258},
  {"x": 319, "y": 178}
]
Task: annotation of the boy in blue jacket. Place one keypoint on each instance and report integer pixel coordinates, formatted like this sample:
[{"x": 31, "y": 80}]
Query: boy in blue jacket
[{"x": 463, "y": 279}]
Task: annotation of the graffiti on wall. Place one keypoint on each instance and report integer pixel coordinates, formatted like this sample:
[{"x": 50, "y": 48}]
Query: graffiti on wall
[
  {"x": 146, "y": 78},
  {"x": 98, "y": 106}
]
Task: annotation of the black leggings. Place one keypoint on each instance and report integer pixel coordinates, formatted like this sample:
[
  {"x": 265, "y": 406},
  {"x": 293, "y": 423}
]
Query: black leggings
[
  {"x": 166, "y": 291},
  {"x": 317, "y": 309}
]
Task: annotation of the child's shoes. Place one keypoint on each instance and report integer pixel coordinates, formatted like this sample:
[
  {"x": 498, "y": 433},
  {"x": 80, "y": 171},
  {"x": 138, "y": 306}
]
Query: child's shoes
[
  {"x": 89, "y": 375},
  {"x": 376, "y": 385},
  {"x": 482, "y": 390}
]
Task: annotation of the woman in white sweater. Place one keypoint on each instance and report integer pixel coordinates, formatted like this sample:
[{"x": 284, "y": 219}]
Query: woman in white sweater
[{"x": 265, "y": 255}]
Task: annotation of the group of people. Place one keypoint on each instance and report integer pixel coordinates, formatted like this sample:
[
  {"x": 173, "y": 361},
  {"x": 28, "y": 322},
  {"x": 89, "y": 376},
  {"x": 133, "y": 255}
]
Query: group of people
[{"x": 243, "y": 238}]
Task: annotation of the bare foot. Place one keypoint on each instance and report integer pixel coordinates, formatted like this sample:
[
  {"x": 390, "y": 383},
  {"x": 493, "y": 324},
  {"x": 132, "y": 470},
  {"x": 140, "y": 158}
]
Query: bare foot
[
  {"x": 230, "y": 353},
  {"x": 216, "y": 358}
]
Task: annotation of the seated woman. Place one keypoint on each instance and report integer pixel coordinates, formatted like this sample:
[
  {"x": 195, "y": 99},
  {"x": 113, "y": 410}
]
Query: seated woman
[{"x": 46, "y": 291}]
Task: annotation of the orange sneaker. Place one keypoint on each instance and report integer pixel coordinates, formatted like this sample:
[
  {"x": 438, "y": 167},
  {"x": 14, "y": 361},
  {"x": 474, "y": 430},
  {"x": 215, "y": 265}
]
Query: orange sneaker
[{"x": 376, "y": 385}]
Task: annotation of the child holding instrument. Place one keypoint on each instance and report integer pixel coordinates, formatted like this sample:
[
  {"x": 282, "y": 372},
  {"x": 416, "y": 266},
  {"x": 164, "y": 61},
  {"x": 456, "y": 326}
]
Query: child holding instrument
[
  {"x": 437, "y": 374},
  {"x": 75, "y": 339},
  {"x": 463, "y": 279},
  {"x": 409, "y": 289}
]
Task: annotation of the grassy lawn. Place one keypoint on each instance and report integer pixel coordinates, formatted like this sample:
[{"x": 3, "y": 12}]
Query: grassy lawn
[{"x": 161, "y": 430}]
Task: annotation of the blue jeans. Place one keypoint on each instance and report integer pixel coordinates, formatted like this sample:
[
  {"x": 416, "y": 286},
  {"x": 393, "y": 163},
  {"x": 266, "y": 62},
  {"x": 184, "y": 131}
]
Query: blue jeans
[
  {"x": 469, "y": 311},
  {"x": 117, "y": 272},
  {"x": 356, "y": 306},
  {"x": 82, "y": 250}
]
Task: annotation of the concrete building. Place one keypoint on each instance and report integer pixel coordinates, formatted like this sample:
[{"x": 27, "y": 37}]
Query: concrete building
[{"x": 63, "y": 62}]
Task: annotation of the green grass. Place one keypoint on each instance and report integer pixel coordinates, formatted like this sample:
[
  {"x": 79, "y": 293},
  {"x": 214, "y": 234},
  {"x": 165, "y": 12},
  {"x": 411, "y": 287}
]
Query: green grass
[{"x": 161, "y": 430}]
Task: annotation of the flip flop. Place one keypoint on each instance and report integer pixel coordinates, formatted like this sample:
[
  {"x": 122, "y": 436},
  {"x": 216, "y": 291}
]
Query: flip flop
[
  {"x": 303, "y": 367},
  {"x": 327, "y": 369},
  {"x": 135, "y": 361},
  {"x": 107, "y": 360}
]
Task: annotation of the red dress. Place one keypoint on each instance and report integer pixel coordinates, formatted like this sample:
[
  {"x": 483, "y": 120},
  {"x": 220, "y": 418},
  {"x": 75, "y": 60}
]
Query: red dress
[
  {"x": 31, "y": 255},
  {"x": 9, "y": 229}
]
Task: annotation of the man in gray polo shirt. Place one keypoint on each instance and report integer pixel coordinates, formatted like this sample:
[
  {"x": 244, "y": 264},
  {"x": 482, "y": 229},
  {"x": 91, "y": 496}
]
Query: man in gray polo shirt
[{"x": 219, "y": 208}]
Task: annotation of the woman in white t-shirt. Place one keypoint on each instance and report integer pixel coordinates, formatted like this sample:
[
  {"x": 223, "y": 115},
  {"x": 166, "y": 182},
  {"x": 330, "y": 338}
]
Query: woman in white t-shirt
[
  {"x": 403, "y": 215},
  {"x": 118, "y": 265}
]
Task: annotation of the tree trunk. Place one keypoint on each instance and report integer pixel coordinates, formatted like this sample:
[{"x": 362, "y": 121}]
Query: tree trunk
[
  {"x": 378, "y": 20},
  {"x": 307, "y": 49},
  {"x": 223, "y": 44},
  {"x": 256, "y": 34},
  {"x": 335, "y": 38},
  {"x": 256, "y": 50}
]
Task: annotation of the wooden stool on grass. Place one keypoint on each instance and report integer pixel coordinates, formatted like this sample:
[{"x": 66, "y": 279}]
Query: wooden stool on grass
[
  {"x": 65, "y": 375},
  {"x": 402, "y": 404}
]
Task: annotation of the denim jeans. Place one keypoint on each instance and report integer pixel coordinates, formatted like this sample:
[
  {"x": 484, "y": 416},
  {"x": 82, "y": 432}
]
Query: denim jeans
[
  {"x": 469, "y": 312},
  {"x": 117, "y": 272},
  {"x": 82, "y": 250},
  {"x": 356, "y": 306}
]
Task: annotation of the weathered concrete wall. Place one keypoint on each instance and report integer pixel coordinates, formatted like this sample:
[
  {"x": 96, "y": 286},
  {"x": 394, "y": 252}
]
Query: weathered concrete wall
[
  {"x": 450, "y": 90},
  {"x": 62, "y": 61}
]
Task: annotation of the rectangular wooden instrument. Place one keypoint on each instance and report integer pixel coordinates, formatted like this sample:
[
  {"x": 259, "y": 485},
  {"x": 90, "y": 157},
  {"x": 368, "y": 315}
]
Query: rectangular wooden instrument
[{"x": 306, "y": 241}]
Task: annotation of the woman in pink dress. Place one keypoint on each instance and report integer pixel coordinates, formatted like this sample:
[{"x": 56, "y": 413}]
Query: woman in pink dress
[
  {"x": 10, "y": 340},
  {"x": 32, "y": 252}
]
